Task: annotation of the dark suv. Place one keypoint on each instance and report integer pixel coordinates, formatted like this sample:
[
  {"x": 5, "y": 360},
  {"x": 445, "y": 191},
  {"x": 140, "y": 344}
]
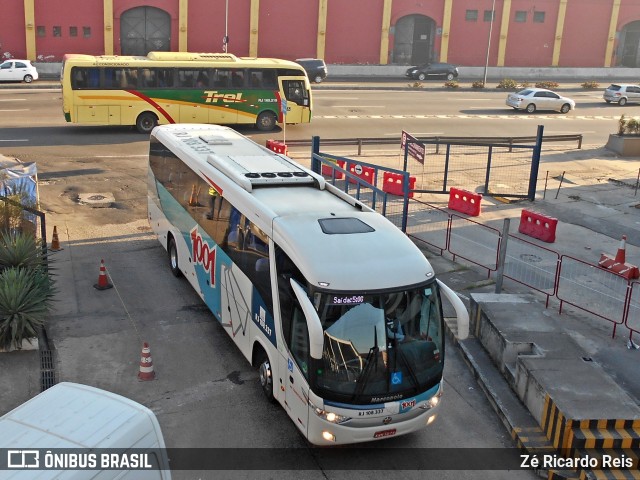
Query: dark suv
[
  {"x": 315, "y": 68},
  {"x": 421, "y": 72}
]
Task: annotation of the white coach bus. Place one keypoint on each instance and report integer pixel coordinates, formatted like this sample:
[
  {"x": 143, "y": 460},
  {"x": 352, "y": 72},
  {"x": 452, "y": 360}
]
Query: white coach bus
[{"x": 335, "y": 306}]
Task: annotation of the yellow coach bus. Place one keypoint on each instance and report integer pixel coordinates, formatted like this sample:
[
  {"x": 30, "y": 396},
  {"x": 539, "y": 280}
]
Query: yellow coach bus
[{"x": 182, "y": 87}]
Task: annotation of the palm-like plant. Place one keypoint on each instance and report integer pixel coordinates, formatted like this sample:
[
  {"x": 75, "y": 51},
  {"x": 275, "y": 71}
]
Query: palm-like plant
[
  {"x": 25, "y": 298},
  {"x": 18, "y": 249}
]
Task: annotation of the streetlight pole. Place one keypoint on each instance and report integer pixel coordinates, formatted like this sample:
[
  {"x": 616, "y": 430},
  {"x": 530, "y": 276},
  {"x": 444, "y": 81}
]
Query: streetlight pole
[
  {"x": 486, "y": 64},
  {"x": 225, "y": 40}
]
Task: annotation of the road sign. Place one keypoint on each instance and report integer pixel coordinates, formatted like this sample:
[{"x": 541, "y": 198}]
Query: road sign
[{"x": 415, "y": 148}]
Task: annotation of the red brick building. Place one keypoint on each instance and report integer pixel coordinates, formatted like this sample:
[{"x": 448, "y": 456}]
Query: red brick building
[{"x": 524, "y": 33}]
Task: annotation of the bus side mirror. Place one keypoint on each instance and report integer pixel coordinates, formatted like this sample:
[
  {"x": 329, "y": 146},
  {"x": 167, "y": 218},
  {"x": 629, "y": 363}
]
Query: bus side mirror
[
  {"x": 461, "y": 310},
  {"x": 316, "y": 335}
]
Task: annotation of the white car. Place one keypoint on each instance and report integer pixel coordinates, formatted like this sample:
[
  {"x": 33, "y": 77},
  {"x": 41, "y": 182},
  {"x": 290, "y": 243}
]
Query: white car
[
  {"x": 14, "y": 70},
  {"x": 532, "y": 99}
]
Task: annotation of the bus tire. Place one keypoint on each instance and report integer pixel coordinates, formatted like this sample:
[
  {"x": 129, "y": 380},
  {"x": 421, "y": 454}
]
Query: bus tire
[
  {"x": 172, "y": 251},
  {"x": 266, "y": 121},
  {"x": 146, "y": 122},
  {"x": 266, "y": 376}
]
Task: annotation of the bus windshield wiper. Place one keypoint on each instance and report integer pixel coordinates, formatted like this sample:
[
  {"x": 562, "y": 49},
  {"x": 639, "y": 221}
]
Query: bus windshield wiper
[{"x": 361, "y": 381}]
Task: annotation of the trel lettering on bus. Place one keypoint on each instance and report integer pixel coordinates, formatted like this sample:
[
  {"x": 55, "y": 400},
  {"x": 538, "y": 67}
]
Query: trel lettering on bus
[
  {"x": 215, "y": 97},
  {"x": 204, "y": 255}
]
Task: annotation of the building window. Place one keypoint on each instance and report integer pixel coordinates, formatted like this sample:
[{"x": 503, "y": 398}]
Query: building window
[
  {"x": 488, "y": 15},
  {"x": 521, "y": 16},
  {"x": 57, "y": 31},
  {"x": 41, "y": 31},
  {"x": 538, "y": 17},
  {"x": 471, "y": 16},
  {"x": 73, "y": 31},
  {"x": 86, "y": 32}
]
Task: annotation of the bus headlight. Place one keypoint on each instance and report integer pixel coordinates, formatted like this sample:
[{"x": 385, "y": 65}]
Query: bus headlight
[
  {"x": 329, "y": 416},
  {"x": 433, "y": 401}
]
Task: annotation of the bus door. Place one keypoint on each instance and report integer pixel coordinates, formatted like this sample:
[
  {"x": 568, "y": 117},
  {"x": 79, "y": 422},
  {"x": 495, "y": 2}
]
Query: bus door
[
  {"x": 298, "y": 99},
  {"x": 294, "y": 358}
]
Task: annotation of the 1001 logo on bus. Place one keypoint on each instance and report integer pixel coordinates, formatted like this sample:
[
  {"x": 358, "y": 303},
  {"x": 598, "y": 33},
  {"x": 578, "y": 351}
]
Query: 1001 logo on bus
[{"x": 204, "y": 255}]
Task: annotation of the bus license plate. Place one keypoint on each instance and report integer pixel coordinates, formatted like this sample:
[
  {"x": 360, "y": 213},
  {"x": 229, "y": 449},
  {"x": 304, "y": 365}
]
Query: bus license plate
[{"x": 384, "y": 433}]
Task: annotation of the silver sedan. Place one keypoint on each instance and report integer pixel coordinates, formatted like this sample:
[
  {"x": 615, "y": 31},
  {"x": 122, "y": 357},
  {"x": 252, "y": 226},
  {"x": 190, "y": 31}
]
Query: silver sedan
[{"x": 532, "y": 99}]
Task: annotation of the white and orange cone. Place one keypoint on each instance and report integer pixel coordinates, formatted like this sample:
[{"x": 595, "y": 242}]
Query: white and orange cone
[
  {"x": 55, "y": 241},
  {"x": 103, "y": 280},
  {"x": 621, "y": 253},
  {"x": 146, "y": 364}
]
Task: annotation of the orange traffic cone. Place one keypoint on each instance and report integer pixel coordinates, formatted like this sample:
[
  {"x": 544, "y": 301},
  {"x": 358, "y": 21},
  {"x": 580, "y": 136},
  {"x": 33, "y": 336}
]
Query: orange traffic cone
[
  {"x": 103, "y": 280},
  {"x": 55, "y": 241},
  {"x": 146, "y": 364},
  {"x": 620, "y": 254}
]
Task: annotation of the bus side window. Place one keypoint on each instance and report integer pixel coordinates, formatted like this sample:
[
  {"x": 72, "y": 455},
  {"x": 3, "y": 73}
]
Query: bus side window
[
  {"x": 269, "y": 78},
  {"x": 79, "y": 78},
  {"x": 221, "y": 78},
  {"x": 148, "y": 78},
  {"x": 237, "y": 78},
  {"x": 294, "y": 91}
]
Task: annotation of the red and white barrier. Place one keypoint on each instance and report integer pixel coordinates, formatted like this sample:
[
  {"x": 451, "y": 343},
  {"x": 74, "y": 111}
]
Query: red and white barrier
[
  {"x": 464, "y": 201},
  {"x": 538, "y": 226},
  {"x": 393, "y": 183}
]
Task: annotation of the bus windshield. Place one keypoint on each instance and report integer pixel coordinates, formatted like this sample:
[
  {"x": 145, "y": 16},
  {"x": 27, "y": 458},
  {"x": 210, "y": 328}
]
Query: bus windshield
[{"x": 379, "y": 347}]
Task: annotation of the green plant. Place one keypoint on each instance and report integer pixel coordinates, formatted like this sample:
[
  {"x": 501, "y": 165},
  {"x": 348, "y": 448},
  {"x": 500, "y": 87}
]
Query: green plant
[
  {"x": 525, "y": 85},
  {"x": 590, "y": 85},
  {"x": 633, "y": 126},
  {"x": 20, "y": 249},
  {"x": 451, "y": 84},
  {"x": 477, "y": 84},
  {"x": 622, "y": 125},
  {"x": 547, "y": 85},
  {"x": 415, "y": 85},
  {"x": 508, "y": 84},
  {"x": 25, "y": 298}
]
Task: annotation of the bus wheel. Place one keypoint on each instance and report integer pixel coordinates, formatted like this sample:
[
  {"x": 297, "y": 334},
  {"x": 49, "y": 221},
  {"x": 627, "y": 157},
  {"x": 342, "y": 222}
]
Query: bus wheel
[
  {"x": 173, "y": 258},
  {"x": 266, "y": 121},
  {"x": 146, "y": 122},
  {"x": 266, "y": 377}
]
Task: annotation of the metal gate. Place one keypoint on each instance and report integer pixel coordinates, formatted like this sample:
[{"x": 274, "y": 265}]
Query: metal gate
[
  {"x": 490, "y": 168},
  {"x": 144, "y": 30},
  {"x": 414, "y": 36}
]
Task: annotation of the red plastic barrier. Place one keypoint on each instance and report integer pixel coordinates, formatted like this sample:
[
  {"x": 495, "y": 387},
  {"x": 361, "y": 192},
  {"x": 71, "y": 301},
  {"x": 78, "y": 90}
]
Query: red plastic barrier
[
  {"x": 393, "y": 183},
  {"x": 365, "y": 173},
  {"x": 538, "y": 226},
  {"x": 328, "y": 170},
  {"x": 276, "y": 146},
  {"x": 465, "y": 201}
]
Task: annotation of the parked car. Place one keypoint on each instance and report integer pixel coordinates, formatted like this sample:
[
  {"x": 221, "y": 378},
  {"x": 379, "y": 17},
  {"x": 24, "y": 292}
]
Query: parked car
[
  {"x": 621, "y": 93},
  {"x": 532, "y": 99},
  {"x": 14, "y": 70},
  {"x": 421, "y": 72},
  {"x": 316, "y": 68}
]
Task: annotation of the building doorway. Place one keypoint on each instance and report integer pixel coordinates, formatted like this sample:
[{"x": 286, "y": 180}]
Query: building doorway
[
  {"x": 629, "y": 46},
  {"x": 144, "y": 30},
  {"x": 414, "y": 38}
]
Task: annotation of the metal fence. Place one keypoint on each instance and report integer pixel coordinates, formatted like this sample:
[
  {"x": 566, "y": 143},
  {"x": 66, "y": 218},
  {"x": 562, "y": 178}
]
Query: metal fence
[{"x": 585, "y": 286}]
